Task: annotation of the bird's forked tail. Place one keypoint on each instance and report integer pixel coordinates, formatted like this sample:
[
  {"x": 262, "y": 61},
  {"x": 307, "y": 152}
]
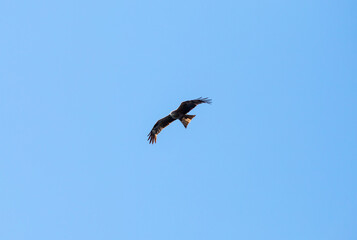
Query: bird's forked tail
[{"x": 186, "y": 119}]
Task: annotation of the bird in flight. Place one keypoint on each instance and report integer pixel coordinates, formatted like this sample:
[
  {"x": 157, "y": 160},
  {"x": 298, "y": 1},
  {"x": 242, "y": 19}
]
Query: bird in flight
[{"x": 180, "y": 113}]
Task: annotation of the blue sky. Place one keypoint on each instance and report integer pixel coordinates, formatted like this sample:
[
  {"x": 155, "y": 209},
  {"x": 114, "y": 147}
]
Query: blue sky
[{"x": 83, "y": 82}]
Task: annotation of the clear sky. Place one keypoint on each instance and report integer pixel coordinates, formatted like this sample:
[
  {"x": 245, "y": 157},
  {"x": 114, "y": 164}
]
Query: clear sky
[{"x": 83, "y": 82}]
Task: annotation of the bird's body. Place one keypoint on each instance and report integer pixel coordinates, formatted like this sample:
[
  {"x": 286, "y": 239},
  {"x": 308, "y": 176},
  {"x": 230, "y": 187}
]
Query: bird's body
[{"x": 180, "y": 113}]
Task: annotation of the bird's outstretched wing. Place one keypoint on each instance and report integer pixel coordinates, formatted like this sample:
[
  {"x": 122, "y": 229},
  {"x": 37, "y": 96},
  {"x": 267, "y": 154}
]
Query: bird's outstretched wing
[
  {"x": 159, "y": 125},
  {"x": 187, "y": 106}
]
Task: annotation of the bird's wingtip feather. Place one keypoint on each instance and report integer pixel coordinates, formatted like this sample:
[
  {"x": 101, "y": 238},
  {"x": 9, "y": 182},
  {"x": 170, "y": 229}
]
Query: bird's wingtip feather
[{"x": 205, "y": 100}]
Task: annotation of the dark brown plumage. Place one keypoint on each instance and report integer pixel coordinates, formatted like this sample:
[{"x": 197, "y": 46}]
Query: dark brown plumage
[{"x": 180, "y": 113}]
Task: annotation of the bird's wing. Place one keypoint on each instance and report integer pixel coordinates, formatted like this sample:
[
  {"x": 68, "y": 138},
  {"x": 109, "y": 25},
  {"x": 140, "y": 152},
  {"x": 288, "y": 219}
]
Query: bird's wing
[
  {"x": 159, "y": 125},
  {"x": 187, "y": 106}
]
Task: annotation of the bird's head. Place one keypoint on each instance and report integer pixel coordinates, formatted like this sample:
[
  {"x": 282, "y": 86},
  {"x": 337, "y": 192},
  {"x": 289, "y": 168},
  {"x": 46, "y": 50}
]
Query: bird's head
[{"x": 173, "y": 114}]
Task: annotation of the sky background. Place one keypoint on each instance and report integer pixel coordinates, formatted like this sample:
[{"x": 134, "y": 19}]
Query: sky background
[{"x": 83, "y": 82}]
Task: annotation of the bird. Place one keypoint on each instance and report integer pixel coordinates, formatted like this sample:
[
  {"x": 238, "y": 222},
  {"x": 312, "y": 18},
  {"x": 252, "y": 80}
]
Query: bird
[{"x": 180, "y": 113}]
